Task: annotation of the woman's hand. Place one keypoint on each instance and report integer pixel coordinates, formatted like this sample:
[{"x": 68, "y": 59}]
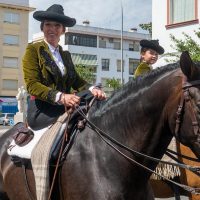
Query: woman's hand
[
  {"x": 98, "y": 93},
  {"x": 69, "y": 100}
]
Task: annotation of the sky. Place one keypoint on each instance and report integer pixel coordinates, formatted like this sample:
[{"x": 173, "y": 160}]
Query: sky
[{"x": 100, "y": 13}]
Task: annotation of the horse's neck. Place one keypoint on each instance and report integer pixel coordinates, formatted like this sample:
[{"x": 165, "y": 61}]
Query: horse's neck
[{"x": 139, "y": 120}]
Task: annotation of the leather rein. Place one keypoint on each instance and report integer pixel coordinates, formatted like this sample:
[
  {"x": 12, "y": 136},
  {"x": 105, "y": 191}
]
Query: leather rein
[{"x": 185, "y": 98}]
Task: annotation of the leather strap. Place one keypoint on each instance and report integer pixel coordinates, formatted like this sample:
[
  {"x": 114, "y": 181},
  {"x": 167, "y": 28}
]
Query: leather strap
[{"x": 60, "y": 153}]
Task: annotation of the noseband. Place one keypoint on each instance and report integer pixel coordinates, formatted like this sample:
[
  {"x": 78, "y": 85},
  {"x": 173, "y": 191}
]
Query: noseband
[{"x": 186, "y": 99}]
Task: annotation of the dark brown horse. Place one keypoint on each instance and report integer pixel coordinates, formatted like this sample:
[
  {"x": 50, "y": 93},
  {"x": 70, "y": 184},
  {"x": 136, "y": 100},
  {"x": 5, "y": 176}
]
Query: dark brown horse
[{"x": 142, "y": 116}]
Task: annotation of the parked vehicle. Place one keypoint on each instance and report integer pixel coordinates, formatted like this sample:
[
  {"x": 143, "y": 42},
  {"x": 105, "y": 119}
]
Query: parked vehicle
[{"x": 6, "y": 118}]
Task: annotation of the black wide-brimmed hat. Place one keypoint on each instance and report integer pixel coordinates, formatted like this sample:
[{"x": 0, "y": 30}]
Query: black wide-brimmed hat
[
  {"x": 152, "y": 44},
  {"x": 55, "y": 13}
]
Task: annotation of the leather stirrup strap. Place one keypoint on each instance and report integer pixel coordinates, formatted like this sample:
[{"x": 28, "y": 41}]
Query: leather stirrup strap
[{"x": 60, "y": 153}]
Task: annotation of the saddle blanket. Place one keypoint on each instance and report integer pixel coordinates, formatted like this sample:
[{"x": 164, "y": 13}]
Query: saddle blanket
[
  {"x": 25, "y": 151},
  {"x": 41, "y": 155}
]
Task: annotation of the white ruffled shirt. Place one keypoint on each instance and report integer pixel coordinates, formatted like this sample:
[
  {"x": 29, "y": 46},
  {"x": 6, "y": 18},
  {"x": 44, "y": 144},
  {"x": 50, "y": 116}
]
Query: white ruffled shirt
[{"x": 57, "y": 58}]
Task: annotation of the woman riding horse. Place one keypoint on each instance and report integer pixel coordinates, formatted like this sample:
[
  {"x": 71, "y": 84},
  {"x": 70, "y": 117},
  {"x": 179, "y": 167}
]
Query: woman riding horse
[{"x": 49, "y": 73}]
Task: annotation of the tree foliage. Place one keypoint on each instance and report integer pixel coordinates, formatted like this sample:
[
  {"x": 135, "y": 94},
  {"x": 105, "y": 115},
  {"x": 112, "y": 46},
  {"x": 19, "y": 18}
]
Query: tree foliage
[
  {"x": 85, "y": 72},
  {"x": 146, "y": 27},
  {"x": 186, "y": 44},
  {"x": 113, "y": 83}
]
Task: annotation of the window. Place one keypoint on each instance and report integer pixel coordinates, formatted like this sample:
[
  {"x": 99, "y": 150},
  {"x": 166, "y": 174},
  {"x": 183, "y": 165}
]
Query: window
[
  {"x": 135, "y": 46},
  {"x": 131, "y": 47},
  {"x": 81, "y": 39},
  {"x": 105, "y": 64},
  {"x": 9, "y": 84},
  {"x": 102, "y": 44},
  {"x": 181, "y": 11},
  {"x": 10, "y": 62},
  {"x": 119, "y": 65},
  {"x": 13, "y": 18},
  {"x": 133, "y": 63},
  {"x": 117, "y": 45},
  {"x": 11, "y": 39}
]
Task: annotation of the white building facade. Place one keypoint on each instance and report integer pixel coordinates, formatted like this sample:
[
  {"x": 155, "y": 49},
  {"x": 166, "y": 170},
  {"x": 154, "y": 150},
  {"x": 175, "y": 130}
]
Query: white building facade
[
  {"x": 174, "y": 17},
  {"x": 101, "y": 49}
]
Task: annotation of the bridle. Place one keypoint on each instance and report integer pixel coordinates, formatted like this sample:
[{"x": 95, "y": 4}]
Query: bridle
[
  {"x": 186, "y": 99},
  {"x": 116, "y": 145}
]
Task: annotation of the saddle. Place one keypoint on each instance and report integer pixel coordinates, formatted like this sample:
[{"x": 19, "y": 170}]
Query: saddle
[
  {"x": 75, "y": 124},
  {"x": 22, "y": 135},
  {"x": 72, "y": 129}
]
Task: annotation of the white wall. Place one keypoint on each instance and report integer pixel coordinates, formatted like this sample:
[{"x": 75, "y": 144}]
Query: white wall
[{"x": 159, "y": 20}]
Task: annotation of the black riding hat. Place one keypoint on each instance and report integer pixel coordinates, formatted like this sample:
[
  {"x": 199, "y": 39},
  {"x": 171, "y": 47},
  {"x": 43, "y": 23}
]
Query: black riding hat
[
  {"x": 55, "y": 13},
  {"x": 152, "y": 44}
]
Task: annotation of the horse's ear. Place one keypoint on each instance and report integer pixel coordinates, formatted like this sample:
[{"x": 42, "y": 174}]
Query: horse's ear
[{"x": 186, "y": 64}]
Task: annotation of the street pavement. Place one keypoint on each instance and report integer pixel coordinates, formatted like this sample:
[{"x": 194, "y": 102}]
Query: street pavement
[{"x": 3, "y": 129}]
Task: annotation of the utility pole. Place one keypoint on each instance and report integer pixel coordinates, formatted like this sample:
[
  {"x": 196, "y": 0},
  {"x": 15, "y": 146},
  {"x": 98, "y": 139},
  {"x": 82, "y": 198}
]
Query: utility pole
[{"x": 122, "y": 67}]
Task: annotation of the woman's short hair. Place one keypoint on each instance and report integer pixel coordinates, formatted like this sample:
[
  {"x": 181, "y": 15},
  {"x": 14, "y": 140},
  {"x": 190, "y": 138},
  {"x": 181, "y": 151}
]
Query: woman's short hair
[{"x": 42, "y": 25}]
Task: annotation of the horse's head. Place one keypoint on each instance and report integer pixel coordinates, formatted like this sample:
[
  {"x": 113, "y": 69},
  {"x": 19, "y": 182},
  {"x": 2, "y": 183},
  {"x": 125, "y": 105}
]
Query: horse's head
[{"x": 188, "y": 114}]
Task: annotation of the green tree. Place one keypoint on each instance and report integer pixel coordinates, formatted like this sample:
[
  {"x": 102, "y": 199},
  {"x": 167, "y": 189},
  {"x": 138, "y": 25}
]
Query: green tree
[
  {"x": 113, "y": 83},
  {"x": 186, "y": 44},
  {"x": 146, "y": 27},
  {"x": 85, "y": 72}
]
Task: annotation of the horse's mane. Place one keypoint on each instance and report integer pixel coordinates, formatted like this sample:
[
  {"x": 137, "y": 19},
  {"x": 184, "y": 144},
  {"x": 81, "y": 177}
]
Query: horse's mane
[{"x": 132, "y": 87}]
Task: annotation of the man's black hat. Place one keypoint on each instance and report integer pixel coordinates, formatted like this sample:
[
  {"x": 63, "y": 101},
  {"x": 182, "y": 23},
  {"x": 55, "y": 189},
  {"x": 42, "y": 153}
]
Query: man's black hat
[
  {"x": 152, "y": 44},
  {"x": 55, "y": 13}
]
